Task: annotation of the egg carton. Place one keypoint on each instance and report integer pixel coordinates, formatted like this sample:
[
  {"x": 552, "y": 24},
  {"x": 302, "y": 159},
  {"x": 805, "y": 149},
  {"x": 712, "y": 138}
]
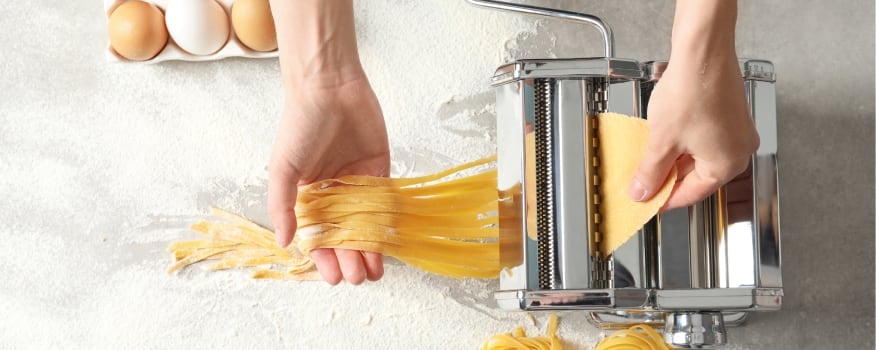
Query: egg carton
[{"x": 233, "y": 47}]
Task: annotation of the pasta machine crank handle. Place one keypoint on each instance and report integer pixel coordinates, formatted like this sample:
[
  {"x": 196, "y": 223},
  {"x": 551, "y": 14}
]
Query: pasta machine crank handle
[{"x": 594, "y": 21}]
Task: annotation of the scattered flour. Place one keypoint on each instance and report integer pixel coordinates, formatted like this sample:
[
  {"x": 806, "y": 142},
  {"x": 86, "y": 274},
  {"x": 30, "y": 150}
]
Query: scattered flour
[{"x": 104, "y": 164}]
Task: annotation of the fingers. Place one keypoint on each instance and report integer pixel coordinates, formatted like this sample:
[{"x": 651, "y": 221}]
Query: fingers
[
  {"x": 684, "y": 165},
  {"x": 653, "y": 169},
  {"x": 699, "y": 179},
  {"x": 693, "y": 188},
  {"x": 327, "y": 263},
  {"x": 282, "y": 194},
  {"x": 353, "y": 266},
  {"x": 373, "y": 265}
]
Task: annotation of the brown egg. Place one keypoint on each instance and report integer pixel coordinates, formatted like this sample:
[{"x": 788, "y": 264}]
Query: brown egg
[
  {"x": 137, "y": 31},
  {"x": 254, "y": 25}
]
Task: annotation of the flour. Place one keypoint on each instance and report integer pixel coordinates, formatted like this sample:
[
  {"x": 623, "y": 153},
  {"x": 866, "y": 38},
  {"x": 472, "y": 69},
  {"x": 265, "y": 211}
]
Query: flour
[
  {"x": 421, "y": 56},
  {"x": 107, "y": 163}
]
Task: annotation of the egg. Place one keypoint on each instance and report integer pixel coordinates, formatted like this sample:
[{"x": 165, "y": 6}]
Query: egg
[
  {"x": 200, "y": 27},
  {"x": 136, "y": 30},
  {"x": 254, "y": 25}
]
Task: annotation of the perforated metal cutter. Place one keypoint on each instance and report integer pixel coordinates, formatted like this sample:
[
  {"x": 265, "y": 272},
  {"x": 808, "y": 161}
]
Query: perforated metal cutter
[{"x": 688, "y": 271}]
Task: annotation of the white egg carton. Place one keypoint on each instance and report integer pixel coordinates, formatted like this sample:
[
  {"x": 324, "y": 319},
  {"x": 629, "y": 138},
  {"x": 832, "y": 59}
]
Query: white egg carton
[{"x": 232, "y": 48}]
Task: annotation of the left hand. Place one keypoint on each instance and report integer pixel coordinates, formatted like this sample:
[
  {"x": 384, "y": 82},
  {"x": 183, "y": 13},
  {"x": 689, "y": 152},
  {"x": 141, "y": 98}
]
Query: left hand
[{"x": 327, "y": 131}]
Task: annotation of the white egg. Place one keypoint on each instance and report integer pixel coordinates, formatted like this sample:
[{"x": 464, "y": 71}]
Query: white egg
[{"x": 199, "y": 27}]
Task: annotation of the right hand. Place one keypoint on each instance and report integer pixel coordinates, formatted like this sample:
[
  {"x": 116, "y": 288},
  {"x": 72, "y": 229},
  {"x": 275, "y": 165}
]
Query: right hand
[
  {"x": 700, "y": 123},
  {"x": 329, "y": 128},
  {"x": 698, "y": 112}
]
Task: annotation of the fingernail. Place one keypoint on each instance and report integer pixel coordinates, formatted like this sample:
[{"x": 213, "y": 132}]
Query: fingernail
[{"x": 638, "y": 192}]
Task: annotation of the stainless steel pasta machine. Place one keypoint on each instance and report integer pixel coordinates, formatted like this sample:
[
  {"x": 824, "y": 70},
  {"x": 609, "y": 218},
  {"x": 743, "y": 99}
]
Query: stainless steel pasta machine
[{"x": 689, "y": 271}]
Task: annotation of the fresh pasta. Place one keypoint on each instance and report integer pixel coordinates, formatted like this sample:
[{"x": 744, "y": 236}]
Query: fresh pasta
[
  {"x": 518, "y": 340},
  {"x": 237, "y": 242},
  {"x": 638, "y": 337},
  {"x": 445, "y": 223}
]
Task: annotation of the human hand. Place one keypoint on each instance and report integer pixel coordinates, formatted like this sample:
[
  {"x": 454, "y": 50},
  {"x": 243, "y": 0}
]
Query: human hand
[
  {"x": 699, "y": 121},
  {"x": 698, "y": 113},
  {"x": 328, "y": 129}
]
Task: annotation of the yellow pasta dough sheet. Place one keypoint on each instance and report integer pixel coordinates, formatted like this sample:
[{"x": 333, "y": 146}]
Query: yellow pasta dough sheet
[{"x": 622, "y": 143}]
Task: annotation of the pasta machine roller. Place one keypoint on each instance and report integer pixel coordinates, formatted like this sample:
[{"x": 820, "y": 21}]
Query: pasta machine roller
[{"x": 689, "y": 271}]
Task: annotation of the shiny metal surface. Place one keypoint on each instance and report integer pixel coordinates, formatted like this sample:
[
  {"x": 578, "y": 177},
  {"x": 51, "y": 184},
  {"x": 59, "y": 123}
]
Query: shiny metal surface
[
  {"x": 574, "y": 261},
  {"x": 569, "y": 68},
  {"x": 513, "y": 248},
  {"x": 572, "y": 136},
  {"x": 621, "y": 319},
  {"x": 683, "y": 254},
  {"x": 751, "y": 69},
  {"x": 654, "y": 70},
  {"x": 730, "y": 299},
  {"x": 573, "y": 299},
  {"x": 757, "y": 70},
  {"x": 768, "y": 252},
  {"x": 695, "y": 330},
  {"x": 517, "y": 249},
  {"x": 748, "y": 206},
  {"x": 594, "y": 21}
]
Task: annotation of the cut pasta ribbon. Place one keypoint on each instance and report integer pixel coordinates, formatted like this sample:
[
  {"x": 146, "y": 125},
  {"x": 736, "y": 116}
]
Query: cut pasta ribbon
[
  {"x": 238, "y": 242},
  {"x": 445, "y": 223},
  {"x": 518, "y": 340},
  {"x": 638, "y": 337}
]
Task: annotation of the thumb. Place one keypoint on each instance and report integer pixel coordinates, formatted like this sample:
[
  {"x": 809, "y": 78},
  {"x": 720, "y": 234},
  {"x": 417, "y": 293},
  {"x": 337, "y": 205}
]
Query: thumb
[
  {"x": 651, "y": 174},
  {"x": 282, "y": 195}
]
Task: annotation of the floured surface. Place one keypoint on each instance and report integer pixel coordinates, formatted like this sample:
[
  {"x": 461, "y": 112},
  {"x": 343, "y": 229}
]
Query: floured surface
[
  {"x": 622, "y": 142},
  {"x": 103, "y": 165}
]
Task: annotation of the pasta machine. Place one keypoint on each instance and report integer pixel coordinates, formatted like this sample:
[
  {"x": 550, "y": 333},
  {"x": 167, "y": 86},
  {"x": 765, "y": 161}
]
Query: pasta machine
[{"x": 689, "y": 271}]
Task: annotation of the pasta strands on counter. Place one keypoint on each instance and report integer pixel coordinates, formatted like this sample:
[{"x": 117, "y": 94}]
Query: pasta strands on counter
[
  {"x": 638, "y": 337},
  {"x": 518, "y": 340}
]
